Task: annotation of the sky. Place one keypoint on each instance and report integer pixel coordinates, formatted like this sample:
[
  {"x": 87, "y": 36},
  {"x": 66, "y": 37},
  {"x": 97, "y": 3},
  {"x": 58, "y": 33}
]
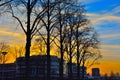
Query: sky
[{"x": 104, "y": 16}]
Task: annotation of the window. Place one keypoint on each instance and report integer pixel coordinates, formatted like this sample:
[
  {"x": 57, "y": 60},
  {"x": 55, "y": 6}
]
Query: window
[{"x": 34, "y": 71}]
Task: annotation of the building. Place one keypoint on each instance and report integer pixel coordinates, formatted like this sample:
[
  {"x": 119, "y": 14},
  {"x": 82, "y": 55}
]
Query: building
[
  {"x": 38, "y": 67},
  {"x": 7, "y": 71},
  {"x": 74, "y": 71},
  {"x": 95, "y": 72}
]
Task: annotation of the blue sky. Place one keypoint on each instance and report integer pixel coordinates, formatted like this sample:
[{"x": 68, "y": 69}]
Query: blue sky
[
  {"x": 108, "y": 15},
  {"x": 101, "y": 6},
  {"x": 105, "y": 17}
]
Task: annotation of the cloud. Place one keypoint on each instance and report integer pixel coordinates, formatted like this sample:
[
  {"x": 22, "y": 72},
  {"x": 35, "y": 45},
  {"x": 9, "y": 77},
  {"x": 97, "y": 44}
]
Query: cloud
[
  {"x": 11, "y": 36},
  {"x": 107, "y": 25},
  {"x": 114, "y": 11},
  {"x": 106, "y": 46},
  {"x": 100, "y": 18},
  {"x": 110, "y": 52},
  {"x": 110, "y": 36},
  {"x": 88, "y": 1},
  {"x": 110, "y": 16}
]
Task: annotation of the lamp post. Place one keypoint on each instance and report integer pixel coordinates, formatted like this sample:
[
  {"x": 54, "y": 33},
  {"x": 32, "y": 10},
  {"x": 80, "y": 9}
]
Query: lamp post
[{"x": 3, "y": 53}]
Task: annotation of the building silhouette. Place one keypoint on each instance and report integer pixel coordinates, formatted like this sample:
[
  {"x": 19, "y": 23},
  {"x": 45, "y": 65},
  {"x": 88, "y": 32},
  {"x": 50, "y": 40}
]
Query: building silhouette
[
  {"x": 74, "y": 70},
  {"x": 7, "y": 71},
  {"x": 38, "y": 69},
  {"x": 95, "y": 72}
]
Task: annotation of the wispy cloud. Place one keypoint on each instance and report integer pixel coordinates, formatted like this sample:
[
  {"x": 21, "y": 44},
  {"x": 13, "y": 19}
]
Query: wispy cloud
[
  {"x": 110, "y": 52},
  {"x": 112, "y": 15},
  {"x": 107, "y": 24},
  {"x": 106, "y": 46},
  {"x": 110, "y": 36},
  {"x": 101, "y": 18},
  {"x": 88, "y": 1},
  {"x": 115, "y": 11},
  {"x": 11, "y": 36}
]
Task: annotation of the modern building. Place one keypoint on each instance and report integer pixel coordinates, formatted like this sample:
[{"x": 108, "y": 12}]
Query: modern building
[
  {"x": 7, "y": 71},
  {"x": 95, "y": 72},
  {"x": 38, "y": 67},
  {"x": 74, "y": 70}
]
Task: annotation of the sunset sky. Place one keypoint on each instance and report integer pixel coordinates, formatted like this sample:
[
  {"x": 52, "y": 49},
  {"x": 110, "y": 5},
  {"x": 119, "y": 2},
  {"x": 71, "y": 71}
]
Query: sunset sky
[{"x": 104, "y": 16}]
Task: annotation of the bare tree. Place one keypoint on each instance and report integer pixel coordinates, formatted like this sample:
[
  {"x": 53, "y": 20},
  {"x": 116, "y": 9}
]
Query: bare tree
[
  {"x": 81, "y": 22},
  {"x": 61, "y": 31},
  {"x": 39, "y": 46},
  {"x": 49, "y": 23},
  {"x": 3, "y": 2},
  {"x": 71, "y": 18},
  {"x": 89, "y": 51},
  {"x": 18, "y": 51},
  {"x": 70, "y": 38},
  {"x": 31, "y": 12}
]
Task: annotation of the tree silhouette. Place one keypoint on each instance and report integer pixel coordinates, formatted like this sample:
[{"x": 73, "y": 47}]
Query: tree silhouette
[
  {"x": 3, "y": 2},
  {"x": 31, "y": 12},
  {"x": 39, "y": 46},
  {"x": 61, "y": 31},
  {"x": 61, "y": 20}
]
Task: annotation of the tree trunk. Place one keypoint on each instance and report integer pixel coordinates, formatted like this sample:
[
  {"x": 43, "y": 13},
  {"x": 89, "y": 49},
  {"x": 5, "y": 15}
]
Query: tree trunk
[
  {"x": 28, "y": 42},
  {"x": 48, "y": 57},
  {"x": 27, "y": 57},
  {"x": 70, "y": 76},
  {"x": 61, "y": 63},
  {"x": 78, "y": 55},
  {"x": 83, "y": 70},
  {"x": 78, "y": 70},
  {"x": 48, "y": 43},
  {"x": 61, "y": 49}
]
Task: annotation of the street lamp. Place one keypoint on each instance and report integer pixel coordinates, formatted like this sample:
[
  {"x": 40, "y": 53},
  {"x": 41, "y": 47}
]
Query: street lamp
[{"x": 4, "y": 53}]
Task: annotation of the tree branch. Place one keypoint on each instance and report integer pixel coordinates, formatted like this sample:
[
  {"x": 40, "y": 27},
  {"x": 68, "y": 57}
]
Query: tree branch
[
  {"x": 18, "y": 20},
  {"x": 6, "y": 2}
]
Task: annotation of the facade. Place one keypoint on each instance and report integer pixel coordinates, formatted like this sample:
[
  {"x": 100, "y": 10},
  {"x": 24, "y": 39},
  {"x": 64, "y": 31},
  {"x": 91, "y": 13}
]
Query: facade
[
  {"x": 7, "y": 71},
  {"x": 95, "y": 72},
  {"x": 38, "y": 67},
  {"x": 74, "y": 70}
]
